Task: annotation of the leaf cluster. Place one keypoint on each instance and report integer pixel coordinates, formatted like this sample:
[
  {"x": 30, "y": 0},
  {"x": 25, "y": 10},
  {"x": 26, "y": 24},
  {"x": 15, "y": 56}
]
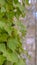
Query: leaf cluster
[{"x": 11, "y": 31}]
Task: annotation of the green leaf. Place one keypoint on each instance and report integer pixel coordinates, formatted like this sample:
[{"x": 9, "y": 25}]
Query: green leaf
[
  {"x": 2, "y": 47},
  {"x": 12, "y": 43},
  {"x": 22, "y": 28},
  {"x": 15, "y": 1},
  {"x": 2, "y": 59},
  {"x": 3, "y": 10},
  {"x": 11, "y": 56},
  {"x": 14, "y": 31},
  {"x": 21, "y": 9},
  {"x": 2, "y": 2},
  {"x": 3, "y": 37},
  {"x": 27, "y": 2},
  {"x": 8, "y": 63},
  {"x": 20, "y": 62},
  {"x": 8, "y": 29},
  {"x": 1, "y": 15},
  {"x": 2, "y": 24},
  {"x": 10, "y": 14}
]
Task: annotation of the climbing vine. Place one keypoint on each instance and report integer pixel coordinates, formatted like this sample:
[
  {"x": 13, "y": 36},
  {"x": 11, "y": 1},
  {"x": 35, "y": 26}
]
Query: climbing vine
[{"x": 12, "y": 32}]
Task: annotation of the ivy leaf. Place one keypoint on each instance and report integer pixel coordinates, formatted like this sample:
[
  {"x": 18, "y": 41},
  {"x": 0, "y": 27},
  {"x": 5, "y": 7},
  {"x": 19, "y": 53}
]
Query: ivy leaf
[
  {"x": 2, "y": 24},
  {"x": 12, "y": 57},
  {"x": 3, "y": 37},
  {"x": 8, "y": 29},
  {"x": 12, "y": 43},
  {"x": 10, "y": 14},
  {"x": 2, "y": 59},
  {"x": 3, "y": 10},
  {"x": 22, "y": 28},
  {"x": 1, "y": 15},
  {"x": 8, "y": 63},
  {"x": 21, "y": 8},
  {"x": 20, "y": 62},
  {"x": 15, "y": 1},
  {"x": 2, "y": 47}
]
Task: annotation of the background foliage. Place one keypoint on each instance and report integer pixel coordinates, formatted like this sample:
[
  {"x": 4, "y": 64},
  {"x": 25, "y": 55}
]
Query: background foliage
[{"x": 12, "y": 32}]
